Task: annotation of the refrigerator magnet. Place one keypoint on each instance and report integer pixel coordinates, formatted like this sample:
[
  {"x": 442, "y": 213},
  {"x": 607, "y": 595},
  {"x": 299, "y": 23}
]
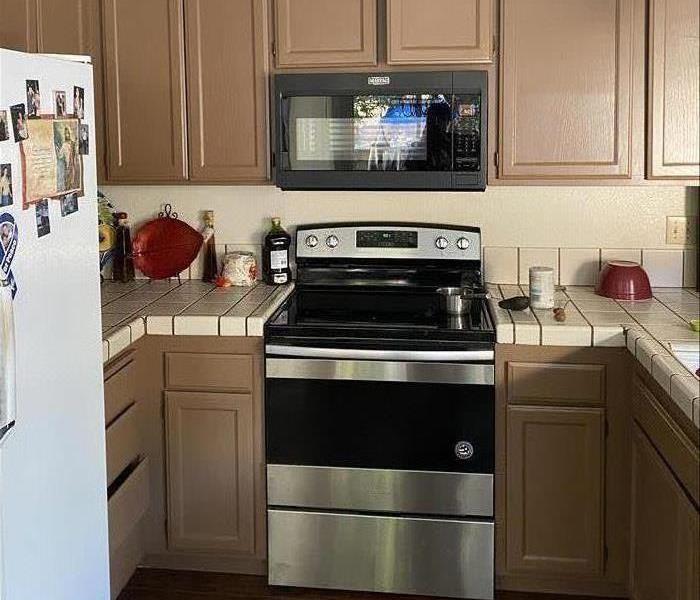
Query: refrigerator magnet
[
  {"x": 83, "y": 139},
  {"x": 43, "y": 224},
  {"x": 6, "y": 195},
  {"x": 19, "y": 122},
  {"x": 4, "y": 126},
  {"x": 8, "y": 247},
  {"x": 33, "y": 99},
  {"x": 69, "y": 204}
]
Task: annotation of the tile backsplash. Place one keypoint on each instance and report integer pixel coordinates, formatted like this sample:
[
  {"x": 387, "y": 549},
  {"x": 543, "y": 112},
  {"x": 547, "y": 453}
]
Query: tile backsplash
[{"x": 581, "y": 266}]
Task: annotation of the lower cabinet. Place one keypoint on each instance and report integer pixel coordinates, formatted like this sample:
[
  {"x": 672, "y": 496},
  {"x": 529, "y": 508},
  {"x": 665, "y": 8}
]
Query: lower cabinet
[
  {"x": 562, "y": 470},
  {"x": 555, "y": 474},
  {"x": 210, "y": 471},
  {"x": 666, "y": 538}
]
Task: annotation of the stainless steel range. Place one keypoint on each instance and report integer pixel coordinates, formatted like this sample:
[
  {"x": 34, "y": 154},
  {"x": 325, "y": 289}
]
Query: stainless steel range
[{"x": 380, "y": 415}]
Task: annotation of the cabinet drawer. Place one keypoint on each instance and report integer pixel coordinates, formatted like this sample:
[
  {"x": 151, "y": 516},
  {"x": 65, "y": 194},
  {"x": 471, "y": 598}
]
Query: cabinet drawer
[
  {"x": 123, "y": 443},
  {"x": 119, "y": 392},
  {"x": 558, "y": 384},
  {"x": 127, "y": 504},
  {"x": 123, "y": 562},
  {"x": 208, "y": 372}
]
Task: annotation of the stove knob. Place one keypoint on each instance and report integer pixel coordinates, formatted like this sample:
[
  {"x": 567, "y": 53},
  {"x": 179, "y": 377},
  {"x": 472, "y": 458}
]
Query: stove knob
[
  {"x": 441, "y": 243},
  {"x": 332, "y": 241},
  {"x": 311, "y": 241},
  {"x": 462, "y": 243}
]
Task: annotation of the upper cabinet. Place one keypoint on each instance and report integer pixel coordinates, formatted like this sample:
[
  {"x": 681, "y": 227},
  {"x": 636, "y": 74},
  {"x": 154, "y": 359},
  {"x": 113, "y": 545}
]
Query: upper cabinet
[
  {"x": 568, "y": 72},
  {"x": 318, "y": 33},
  {"x": 226, "y": 90},
  {"x": 18, "y": 28},
  {"x": 447, "y": 32},
  {"x": 145, "y": 90},
  {"x": 674, "y": 89}
]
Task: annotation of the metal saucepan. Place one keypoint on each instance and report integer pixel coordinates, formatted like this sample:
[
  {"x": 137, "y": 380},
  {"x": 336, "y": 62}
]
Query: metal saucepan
[{"x": 457, "y": 300}]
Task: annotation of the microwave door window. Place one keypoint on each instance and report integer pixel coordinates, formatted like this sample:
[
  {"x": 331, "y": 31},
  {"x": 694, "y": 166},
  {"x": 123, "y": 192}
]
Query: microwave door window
[{"x": 368, "y": 133}]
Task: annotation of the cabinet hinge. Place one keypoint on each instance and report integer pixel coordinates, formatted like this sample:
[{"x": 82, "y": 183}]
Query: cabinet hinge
[
  {"x": 274, "y": 48},
  {"x": 495, "y": 46},
  {"x": 607, "y": 428},
  {"x": 496, "y": 160},
  {"x": 605, "y": 556},
  {"x": 274, "y": 160}
]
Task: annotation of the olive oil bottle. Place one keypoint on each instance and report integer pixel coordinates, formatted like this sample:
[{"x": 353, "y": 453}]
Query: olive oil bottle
[{"x": 276, "y": 269}]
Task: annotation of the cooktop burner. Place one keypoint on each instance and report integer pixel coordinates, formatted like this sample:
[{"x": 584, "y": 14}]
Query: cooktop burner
[{"x": 383, "y": 296}]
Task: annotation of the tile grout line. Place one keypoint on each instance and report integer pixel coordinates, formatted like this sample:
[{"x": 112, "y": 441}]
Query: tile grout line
[{"x": 534, "y": 315}]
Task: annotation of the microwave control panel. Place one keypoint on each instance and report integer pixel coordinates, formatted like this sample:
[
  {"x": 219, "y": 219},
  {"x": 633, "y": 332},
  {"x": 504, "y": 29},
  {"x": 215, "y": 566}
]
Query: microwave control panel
[{"x": 466, "y": 126}]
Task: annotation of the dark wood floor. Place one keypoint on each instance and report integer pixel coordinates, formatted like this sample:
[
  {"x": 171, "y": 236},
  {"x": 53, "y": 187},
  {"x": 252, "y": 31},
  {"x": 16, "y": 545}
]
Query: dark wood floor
[{"x": 157, "y": 584}]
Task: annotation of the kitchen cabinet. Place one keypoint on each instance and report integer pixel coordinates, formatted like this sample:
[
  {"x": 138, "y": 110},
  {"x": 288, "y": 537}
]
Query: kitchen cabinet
[
  {"x": 674, "y": 91},
  {"x": 562, "y": 469},
  {"x": 571, "y": 72},
  {"x": 210, "y": 471},
  {"x": 226, "y": 90},
  {"x": 203, "y": 424},
  {"x": 127, "y": 469},
  {"x": 666, "y": 543},
  {"x": 449, "y": 32},
  {"x": 325, "y": 33},
  {"x": 59, "y": 27},
  {"x": 555, "y": 489},
  {"x": 144, "y": 58}
]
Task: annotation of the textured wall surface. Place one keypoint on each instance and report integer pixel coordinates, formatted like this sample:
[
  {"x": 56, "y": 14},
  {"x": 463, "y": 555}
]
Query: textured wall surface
[{"x": 633, "y": 217}]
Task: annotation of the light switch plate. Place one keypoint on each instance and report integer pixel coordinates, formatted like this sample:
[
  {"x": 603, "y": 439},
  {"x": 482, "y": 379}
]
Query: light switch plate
[{"x": 682, "y": 231}]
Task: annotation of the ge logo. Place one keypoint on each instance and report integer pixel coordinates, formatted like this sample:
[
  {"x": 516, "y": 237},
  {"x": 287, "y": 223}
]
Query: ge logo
[{"x": 464, "y": 450}]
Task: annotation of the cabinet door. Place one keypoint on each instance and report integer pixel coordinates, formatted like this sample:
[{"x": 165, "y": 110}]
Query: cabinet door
[
  {"x": 144, "y": 91},
  {"x": 315, "y": 33},
  {"x": 447, "y": 32},
  {"x": 567, "y": 75},
  {"x": 674, "y": 89},
  {"x": 665, "y": 530},
  {"x": 555, "y": 473},
  {"x": 210, "y": 472},
  {"x": 226, "y": 83},
  {"x": 18, "y": 30},
  {"x": 74, "y": 27}
]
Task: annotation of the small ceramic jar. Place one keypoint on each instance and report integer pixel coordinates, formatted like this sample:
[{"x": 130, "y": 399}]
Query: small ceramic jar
[{"x": 541, "y": 287}]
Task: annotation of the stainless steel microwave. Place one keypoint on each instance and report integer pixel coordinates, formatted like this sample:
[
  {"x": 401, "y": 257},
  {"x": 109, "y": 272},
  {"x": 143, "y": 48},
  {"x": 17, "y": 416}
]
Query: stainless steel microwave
[{"x": 380, "y": 131}]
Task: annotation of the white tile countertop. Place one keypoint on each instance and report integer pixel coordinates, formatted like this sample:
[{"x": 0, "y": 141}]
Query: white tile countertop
[
  {"x": 648, "y": 328},
  {"x": 191, "y": 307}
]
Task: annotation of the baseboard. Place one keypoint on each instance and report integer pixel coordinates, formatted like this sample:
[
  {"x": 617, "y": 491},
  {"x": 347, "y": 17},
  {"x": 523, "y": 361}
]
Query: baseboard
[
  {"x": 546, "y": 585},
  {"x": 206, "y": 562}
]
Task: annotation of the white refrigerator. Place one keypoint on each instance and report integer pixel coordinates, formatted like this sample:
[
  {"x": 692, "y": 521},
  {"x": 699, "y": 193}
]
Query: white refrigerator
[{"x": 53, "y": 496}]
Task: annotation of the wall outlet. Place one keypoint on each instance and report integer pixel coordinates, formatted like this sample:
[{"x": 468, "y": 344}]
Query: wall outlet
[{"x": 682, "y": 231}]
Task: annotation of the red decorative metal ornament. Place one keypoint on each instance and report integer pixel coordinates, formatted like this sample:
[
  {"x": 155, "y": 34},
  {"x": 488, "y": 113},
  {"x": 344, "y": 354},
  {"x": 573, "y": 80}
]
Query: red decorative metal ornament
[{"x": 166, "y": 246}]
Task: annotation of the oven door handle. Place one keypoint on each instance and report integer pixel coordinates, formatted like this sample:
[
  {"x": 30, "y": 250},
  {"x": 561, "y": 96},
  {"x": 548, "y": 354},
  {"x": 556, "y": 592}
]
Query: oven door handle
[{"x": 401, "y": 355}]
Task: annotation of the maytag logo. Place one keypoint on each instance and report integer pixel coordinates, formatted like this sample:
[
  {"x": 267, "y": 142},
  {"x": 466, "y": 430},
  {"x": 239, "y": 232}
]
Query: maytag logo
[{"x": 379, "y": 80}]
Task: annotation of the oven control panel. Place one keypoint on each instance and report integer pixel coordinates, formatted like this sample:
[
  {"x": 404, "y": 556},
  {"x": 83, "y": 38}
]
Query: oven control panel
[{"x": 386, "y": 241}]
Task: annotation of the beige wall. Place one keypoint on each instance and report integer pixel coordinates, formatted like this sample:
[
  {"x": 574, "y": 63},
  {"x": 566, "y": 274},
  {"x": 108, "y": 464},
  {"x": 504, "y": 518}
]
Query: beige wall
[{"x": 620, "y": 217}]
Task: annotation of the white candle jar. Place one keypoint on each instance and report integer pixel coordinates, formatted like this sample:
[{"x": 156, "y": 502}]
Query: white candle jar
[{"x": 541, "y": 287}]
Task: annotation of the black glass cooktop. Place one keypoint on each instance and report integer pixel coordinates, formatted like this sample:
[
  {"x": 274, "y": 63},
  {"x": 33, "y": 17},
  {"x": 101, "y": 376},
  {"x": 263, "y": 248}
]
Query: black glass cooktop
[{"x": 357, "y": 315}]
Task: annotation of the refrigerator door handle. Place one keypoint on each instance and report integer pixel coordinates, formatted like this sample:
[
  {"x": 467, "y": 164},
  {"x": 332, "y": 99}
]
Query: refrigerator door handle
[{"x": 8, "y": 396}]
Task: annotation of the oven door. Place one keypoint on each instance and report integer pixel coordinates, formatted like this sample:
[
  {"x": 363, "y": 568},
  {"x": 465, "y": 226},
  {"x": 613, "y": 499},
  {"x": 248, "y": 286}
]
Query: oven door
[{"x": 395, "y": 432}]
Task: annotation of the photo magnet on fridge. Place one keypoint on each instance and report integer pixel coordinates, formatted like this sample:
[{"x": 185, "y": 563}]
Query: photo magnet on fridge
[
  {"x": 43, "y": 225},
  {"x": 6, "y": 197},
  {"x": 8, "y": 248},
  {"x": 78, "y": 102},
  {"x": 83, "y": 139},
  {"x": 4, "y": 126},
  {"x": 60, "y": 102},
  {"x": 69, "y": 204},
  {"x": 33, "y": 99},
  {"x": 19, "y": 122}
]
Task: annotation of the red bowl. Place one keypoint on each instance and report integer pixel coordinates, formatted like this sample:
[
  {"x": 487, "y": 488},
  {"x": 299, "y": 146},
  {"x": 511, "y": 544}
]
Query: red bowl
[{"x": 623, "y": 280}]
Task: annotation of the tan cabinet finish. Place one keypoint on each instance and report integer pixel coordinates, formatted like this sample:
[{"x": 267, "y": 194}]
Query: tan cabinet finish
[
  {"x": 666, "y": 530},
  {"x": 226, "y": 90},
  {"x": 568, "y": 72},
  {"x": 208, "y": 372},
  {"x": 145, "y": 91},
  {"x": 18, "y": 29},
  {"x": 325, "y": 33},
  {"x": 674, "y": 89},
  {"x": 447, "y": 32},
  {"x": 210, "y": 471},
  {"x": 555, "y": 489},
  {"x": 562, "y": 470}
]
